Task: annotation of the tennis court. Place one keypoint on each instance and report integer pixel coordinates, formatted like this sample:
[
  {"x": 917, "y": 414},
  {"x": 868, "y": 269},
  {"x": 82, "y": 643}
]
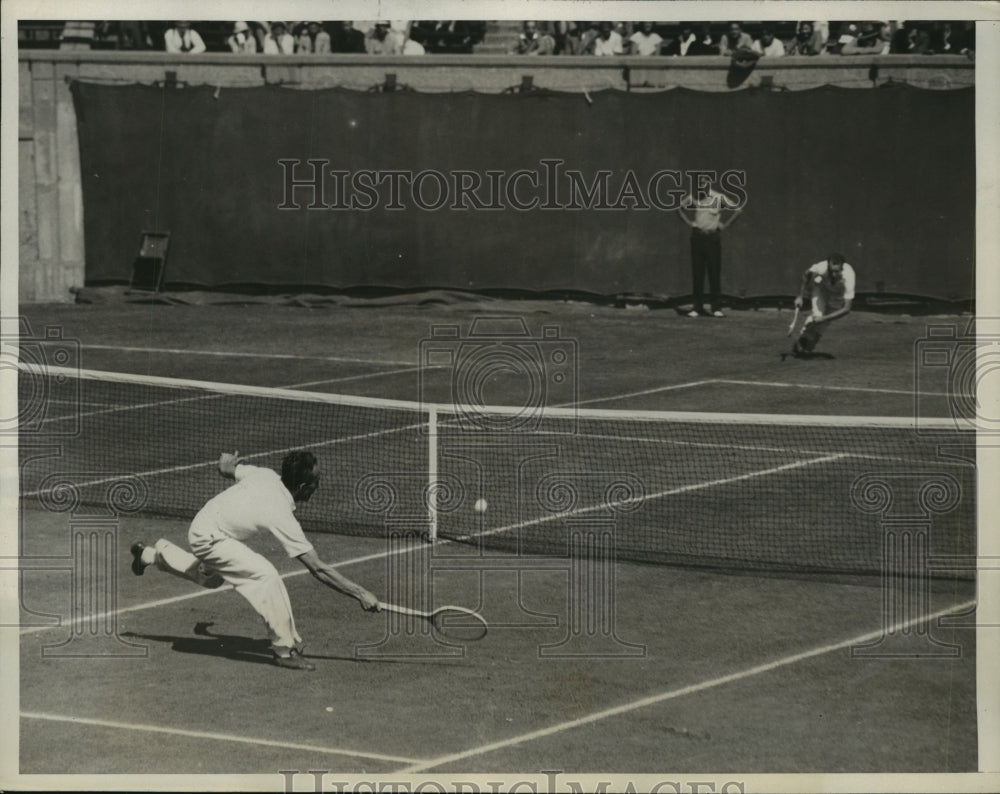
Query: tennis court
[{"x": 724, "y": 567}]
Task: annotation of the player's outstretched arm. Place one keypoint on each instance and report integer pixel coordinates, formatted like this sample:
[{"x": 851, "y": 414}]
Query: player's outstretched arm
[{"x": 335, "y": 580}]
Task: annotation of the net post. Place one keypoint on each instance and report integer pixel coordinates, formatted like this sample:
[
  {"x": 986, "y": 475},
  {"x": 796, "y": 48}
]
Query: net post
[{"x": 432, "y": 474}]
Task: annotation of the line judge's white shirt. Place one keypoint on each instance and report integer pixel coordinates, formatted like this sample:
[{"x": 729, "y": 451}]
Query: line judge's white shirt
[
  {"x": 258, "y": 500},
  {"x": 707, "y": 211}
]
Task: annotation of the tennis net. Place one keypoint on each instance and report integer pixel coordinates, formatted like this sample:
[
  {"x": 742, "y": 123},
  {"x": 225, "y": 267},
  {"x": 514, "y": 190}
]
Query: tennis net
[{"x": 736, "y": 492}]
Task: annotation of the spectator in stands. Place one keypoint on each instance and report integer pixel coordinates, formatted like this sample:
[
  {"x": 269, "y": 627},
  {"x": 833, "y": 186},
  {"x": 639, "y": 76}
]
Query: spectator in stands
[
  {"x": 608, "y": 41},
  {"x": 347, "y": 39},
  {"x": 866, "y": 39},
  {"x": 532, "y": 41},
  {"x": 822, "y": 28},
  {"x": 704, "y": 43},
  {"x": 313, "y": 40},
  {"x": 242, "y": 41},
  {"x": 767, "y": 44},
  {"x": 965, "y": 38},
  {"x": 183, "y": 38},
  {"x": 910, "y": 39},
  {"x": 948, "y": 38},
  {"x": 383, "y": 40},
  {"x": 645, "y": 41},
  {"x": 588, "y": 33},
  {"x": 413, "y": 47},
  {"x": 401, "y": 28},
  {"x": 448, "y": 35},
  {"x": 566, "y": 36},
  {"x": 734, "y": 39},
  {"x": 134, "y": 35},
  {"x": 685, "y": 38},
  {"x": 807, "y": 41},
  {"x": 278, "y": 41}
]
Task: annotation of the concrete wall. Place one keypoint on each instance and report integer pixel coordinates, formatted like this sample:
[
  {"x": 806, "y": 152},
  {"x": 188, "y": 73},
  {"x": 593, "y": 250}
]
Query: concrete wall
[{"x": 50, "y": 203}]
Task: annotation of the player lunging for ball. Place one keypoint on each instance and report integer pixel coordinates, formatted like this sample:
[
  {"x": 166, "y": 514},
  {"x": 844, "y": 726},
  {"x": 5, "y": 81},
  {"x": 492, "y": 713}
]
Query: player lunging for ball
[
  {"x": 830, "y": 285},
  {"x": 260, "y": 499}
]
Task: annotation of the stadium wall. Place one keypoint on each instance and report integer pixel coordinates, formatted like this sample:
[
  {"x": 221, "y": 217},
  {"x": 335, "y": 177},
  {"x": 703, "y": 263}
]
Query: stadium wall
[{"x": 826, "y": 168}]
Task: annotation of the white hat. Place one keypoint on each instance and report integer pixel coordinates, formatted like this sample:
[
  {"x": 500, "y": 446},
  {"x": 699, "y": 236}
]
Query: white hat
[{"x": 240, "y": 27}]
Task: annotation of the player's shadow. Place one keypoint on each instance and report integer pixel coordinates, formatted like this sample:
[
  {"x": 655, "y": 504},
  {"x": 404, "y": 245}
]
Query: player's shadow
[
  {"x": 225, "y": 646},
  {"x": 809, "y": 356},
  {"x": 246, "y": 649}
]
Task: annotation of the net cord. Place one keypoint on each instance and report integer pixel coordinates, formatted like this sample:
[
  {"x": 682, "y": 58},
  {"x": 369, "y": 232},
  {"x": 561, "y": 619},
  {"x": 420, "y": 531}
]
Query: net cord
[{"x": 937, "y": 424}]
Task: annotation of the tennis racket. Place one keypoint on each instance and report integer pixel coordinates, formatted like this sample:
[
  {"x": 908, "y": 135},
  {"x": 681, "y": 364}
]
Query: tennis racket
[
  {"x": 456, "y": 623},
  {"x": 795, "y": 319}
]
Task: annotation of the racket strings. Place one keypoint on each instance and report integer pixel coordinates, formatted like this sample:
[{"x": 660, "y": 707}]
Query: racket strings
[{"x": 457, "y": 624}]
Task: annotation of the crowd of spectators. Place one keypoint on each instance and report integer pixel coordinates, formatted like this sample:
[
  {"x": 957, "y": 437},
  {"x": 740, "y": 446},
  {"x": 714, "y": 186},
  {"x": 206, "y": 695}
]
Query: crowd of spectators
[
  {"x": 766, "y": 39},
  {"x": 290, "y": 38},
  {"x": 762, "y": 39}
]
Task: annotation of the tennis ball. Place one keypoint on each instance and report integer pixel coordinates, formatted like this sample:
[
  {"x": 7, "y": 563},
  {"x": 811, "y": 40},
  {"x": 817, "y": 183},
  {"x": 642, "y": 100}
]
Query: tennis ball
[{"x": 480, "y": 506}]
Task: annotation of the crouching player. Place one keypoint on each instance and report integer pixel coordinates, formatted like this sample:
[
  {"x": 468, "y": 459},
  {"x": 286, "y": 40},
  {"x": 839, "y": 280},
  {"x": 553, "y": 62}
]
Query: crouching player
[
  {"x": 830, "y": 286},
  {"x": 260, "y": 499}
]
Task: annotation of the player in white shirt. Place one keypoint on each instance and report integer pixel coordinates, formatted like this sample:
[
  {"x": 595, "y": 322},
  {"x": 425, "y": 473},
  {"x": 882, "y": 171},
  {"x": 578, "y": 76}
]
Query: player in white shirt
[
  {"x": 830, "y": 285},
  {"x": 260, "y": 499}
]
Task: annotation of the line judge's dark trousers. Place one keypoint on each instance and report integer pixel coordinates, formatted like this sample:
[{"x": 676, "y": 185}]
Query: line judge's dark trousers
[{"x": 706, "y": 257}]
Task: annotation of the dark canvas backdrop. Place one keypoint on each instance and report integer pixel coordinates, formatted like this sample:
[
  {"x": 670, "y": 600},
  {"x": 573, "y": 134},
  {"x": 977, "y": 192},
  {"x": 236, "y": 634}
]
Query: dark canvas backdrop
[{"x": 887, "y": 176}]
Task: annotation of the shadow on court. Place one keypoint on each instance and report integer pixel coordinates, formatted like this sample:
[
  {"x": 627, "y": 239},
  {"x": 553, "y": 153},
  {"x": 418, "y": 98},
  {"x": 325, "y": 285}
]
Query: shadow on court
[{"x": 235, "y": 648}]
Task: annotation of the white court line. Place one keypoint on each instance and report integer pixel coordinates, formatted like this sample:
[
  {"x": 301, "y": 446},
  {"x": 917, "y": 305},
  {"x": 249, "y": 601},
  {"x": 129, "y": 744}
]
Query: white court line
[
  {"x": 360, "y": 377},
  {"x": 625, "y": 708},
  {"x": 692, "y": 384},
  {"x": 658, "y": 389},
  {"x": 830, "y": 388},
  {"x": 130, "y": 407},
  {"x": 659, "y": 495},
  {"x": 240, "y": 354},
  {"x": 219, "y": 737},
  {"x": 752, "y": 448}
]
